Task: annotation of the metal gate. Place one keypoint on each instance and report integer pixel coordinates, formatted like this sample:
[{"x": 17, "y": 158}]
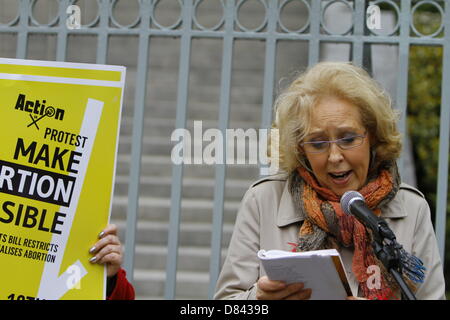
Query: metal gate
[{"x": 314, "y": 31}]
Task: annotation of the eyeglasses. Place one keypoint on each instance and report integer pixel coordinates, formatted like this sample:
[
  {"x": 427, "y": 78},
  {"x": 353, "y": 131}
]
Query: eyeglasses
[{"x": 343, "y": 143}]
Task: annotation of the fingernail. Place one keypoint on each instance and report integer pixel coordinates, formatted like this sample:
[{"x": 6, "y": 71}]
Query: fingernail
[
  {"x": 101, "y": 234},
  {"x": 92, "y": 260},
  {"x": 92, "y": 249}
]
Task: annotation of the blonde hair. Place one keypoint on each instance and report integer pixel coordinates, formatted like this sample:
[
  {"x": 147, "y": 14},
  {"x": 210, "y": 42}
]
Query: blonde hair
[{"x": 343, "y": 80}]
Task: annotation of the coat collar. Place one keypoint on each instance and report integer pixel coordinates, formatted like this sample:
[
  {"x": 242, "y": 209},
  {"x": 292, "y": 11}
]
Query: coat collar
[
  {"x": 396, "y": 207},
  {"x": 286, "y": 211},
  {"x": 287, "y": 214}
]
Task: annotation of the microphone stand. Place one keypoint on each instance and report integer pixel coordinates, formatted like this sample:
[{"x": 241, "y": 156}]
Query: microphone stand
[{"x": 387, "y": 249}]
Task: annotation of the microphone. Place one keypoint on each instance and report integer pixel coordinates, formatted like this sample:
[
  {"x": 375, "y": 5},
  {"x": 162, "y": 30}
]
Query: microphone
[
  {"x": 353, "y": 203},
  {"x": 390, "y": 252}
]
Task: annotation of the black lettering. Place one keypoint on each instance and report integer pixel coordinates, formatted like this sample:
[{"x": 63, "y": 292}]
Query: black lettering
[
  {"x": 56, "y": 221},
  {"x": 43, "y": 156},
  {"x": 72, "y": 160},
  {"x": 20, "y": 102},
  {"x": 78, "y": 141},
  {"x": 41, "y": 222},
  {"x": 8, "y": 212},
  {"x": 84, "y": 141},
  {"x": 19, "y": 215},
  {"x": 72, "y": 136},
  {"x": 58, "y": 157},
  {"x": 20, "y": 149},
  {"x": 54, "y": 133},
  {"x": 59, "y": 114},
  {"x": 29, "y": 105},
  {"x": 30, "y": 214},
  {"x": 61, "y": 135},
  {"x": 47, "y": 132},
  {"x": 36, "y": 107},
  {"x": 42, "y": 108}
]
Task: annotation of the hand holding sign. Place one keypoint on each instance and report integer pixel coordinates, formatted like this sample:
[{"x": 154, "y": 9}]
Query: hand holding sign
[{"x": 108, "y": 250}]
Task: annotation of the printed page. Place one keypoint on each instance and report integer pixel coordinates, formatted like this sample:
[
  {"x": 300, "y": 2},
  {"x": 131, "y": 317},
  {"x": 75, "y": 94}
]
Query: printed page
[{"x": 315, "y": 269}]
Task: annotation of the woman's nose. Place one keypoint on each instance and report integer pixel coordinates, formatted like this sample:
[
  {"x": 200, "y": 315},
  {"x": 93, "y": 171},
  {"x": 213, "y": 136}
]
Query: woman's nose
[{"x": 335, "y": 153}]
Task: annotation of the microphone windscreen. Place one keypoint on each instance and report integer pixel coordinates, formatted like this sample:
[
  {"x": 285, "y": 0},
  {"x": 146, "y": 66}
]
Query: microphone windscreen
[{"x": 347, "y": 198}]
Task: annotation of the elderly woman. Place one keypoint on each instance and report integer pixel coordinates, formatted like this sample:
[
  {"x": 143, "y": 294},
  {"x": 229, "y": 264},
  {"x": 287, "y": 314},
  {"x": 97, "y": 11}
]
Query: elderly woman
[{"x": 337, "y": 133}]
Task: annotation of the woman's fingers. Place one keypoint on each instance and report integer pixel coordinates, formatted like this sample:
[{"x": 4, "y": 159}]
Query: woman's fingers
[
  {"x": 110, "y": 229},
  {"x": 288, "y": 291},
  {"x": 108, "y": 254},
  {"x": 303, "y": 294},
  {"x": 108, "y": 250},
  {"x": 270, "y": 285},
  {"x": 277, "y": 290},
  {"x": 354, "y": 298},
  {"x": 108, "y": 239}
]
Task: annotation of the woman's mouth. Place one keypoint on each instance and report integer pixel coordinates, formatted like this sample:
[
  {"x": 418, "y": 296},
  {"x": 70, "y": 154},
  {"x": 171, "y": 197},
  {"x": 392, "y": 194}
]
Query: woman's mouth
[{"x": 340, "y": 177}]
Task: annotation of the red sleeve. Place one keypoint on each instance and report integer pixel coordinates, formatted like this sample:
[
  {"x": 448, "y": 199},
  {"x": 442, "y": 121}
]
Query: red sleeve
[{"x": 123, "y": 289}]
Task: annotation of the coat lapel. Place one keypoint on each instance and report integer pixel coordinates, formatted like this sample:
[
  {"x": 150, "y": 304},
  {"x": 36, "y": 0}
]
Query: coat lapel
[
  {"x": 286, "y": 211},
  {"x": 395, "y": 208}
]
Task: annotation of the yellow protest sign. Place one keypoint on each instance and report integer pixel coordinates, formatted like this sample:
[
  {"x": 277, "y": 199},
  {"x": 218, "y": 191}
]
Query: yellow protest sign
[{"x": 59, "y": 137}]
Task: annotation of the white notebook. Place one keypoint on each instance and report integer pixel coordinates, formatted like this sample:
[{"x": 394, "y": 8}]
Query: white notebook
[{"x": 320, "y": 270}]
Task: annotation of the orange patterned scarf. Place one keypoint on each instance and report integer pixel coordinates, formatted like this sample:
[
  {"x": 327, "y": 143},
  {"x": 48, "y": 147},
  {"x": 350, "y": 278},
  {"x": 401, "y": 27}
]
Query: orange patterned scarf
[{"x": 327, "y": 226}]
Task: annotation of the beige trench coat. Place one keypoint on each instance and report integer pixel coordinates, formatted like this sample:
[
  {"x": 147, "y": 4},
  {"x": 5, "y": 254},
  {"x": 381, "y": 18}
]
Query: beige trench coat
[{"x": 267, "y": 220}]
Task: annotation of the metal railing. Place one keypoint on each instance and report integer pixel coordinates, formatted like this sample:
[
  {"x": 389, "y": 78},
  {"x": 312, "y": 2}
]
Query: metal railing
[{"x": 228, "y": 30}]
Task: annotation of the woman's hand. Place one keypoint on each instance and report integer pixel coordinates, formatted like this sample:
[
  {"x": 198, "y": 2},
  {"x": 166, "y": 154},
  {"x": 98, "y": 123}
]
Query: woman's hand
[
  {"x": 279, "y": 290},
  {"x": 108, "y": 250},
  {"x": 354, "y": 298}
]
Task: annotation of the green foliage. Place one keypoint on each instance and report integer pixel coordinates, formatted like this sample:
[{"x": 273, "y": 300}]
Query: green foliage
[{"x": 424, "y": 103}]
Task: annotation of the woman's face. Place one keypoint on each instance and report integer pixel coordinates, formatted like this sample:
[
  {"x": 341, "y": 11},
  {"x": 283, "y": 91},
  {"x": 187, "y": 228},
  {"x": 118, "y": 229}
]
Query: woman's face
[{"x": 337, "y": 169}]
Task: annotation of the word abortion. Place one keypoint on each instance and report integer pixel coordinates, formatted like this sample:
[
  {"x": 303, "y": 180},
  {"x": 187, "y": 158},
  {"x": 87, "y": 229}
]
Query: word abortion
[{"x": 35, "y": 184}]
